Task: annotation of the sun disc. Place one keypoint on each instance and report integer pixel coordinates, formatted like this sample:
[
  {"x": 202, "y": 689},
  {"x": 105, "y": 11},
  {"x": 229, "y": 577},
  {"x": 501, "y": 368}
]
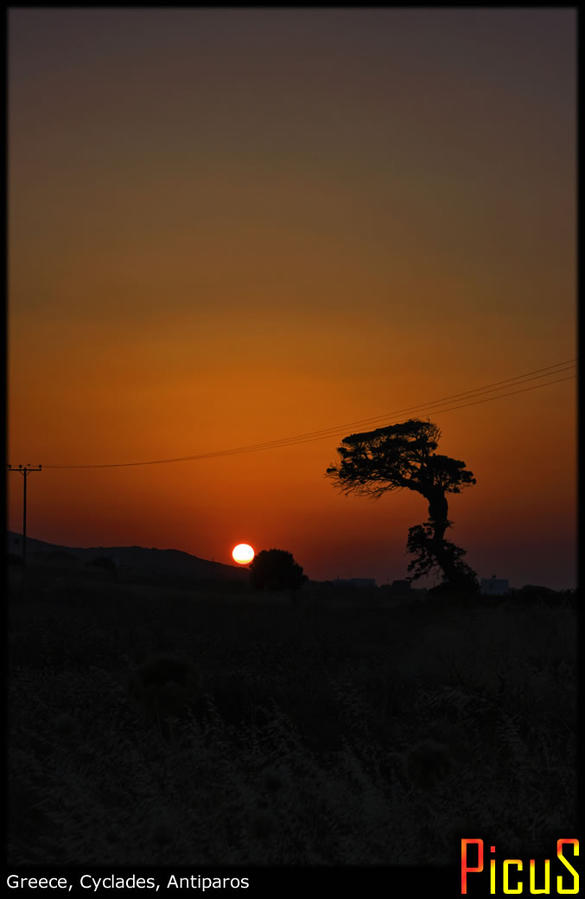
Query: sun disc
[{"x": 242, "y": 553}]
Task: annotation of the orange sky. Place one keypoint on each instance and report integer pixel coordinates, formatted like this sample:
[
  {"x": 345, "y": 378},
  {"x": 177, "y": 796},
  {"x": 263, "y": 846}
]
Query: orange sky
[{"x": 231, "y": 226}]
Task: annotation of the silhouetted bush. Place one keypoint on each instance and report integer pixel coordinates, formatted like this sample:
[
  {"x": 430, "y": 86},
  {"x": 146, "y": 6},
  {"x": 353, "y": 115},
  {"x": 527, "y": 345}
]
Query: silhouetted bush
[
  {"x": 535, "y": 590},
  {"x": 533, "y": 593},
  {"x": 13, "y": 559},
  {"x": 276, "y": 569}
]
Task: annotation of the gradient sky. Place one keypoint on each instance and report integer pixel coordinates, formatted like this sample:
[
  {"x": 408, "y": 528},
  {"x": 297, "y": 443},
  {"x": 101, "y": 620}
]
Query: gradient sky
[{"x": 233, "y": 225}]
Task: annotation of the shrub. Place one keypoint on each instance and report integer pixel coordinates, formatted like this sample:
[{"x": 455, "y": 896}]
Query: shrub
[{"x": 276, "y": 569}]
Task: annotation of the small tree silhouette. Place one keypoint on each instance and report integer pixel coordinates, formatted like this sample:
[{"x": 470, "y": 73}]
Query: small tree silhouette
[
  {"x": 403, "y": 456},
  {"x": 276, "y": 569}
]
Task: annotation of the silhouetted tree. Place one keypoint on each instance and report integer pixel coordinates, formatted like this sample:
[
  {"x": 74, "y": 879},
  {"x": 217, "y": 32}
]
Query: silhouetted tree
[
  {"x": 403, "y": 456},
  {"x": 276, "y": 569}
]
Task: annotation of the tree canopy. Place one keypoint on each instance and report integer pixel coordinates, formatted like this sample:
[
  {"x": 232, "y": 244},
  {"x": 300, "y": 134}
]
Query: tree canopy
[{"x": 398, "y": 456}]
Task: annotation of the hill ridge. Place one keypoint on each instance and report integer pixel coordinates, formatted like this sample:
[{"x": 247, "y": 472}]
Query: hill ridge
[{"x": 169, "y": 561}]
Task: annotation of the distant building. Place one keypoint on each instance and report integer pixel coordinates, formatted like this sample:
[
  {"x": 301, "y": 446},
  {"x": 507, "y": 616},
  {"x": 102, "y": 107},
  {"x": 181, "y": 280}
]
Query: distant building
[
  {"x": 360, "y": 582},
  {"x": 494, "y": 586}
]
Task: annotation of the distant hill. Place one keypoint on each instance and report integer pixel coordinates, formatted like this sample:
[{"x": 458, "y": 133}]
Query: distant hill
[{"x": 171, "y": 563}]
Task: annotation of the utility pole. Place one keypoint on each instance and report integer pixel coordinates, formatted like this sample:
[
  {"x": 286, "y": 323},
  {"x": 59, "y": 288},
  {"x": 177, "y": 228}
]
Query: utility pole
[{"x": 24, "y": 471}]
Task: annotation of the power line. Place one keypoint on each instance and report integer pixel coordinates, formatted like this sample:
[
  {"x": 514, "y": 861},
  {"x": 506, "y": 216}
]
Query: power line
[
  {"x": 333, "y": 431},
  {"x": 316, "y": 435},
  {"x": 511, "y": 393},
  {"x": 477, "y": 396}
]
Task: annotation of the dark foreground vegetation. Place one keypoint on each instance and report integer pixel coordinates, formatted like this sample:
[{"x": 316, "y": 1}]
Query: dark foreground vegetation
[{"x": 151, "y": 725}]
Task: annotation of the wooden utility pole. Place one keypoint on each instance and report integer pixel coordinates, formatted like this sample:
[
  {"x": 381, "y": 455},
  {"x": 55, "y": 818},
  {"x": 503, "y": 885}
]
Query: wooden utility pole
[{"x": 25, "y": 471}]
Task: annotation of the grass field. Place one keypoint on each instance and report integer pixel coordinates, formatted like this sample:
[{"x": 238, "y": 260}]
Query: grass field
[{"x": 158, "y": 726}]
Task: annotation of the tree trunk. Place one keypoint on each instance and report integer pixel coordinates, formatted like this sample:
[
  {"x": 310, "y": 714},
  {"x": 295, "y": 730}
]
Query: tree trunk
[
  {"x": 447, "y": 563},
  {"x": 438, "y": 511}
]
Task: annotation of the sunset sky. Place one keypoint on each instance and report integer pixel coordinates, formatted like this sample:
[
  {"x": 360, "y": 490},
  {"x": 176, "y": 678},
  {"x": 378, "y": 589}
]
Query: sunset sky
[{"x": 229, "y": 226}]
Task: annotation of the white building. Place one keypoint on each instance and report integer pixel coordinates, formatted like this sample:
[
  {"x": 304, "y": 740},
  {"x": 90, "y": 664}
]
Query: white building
[{"x": 494, "y": 586}]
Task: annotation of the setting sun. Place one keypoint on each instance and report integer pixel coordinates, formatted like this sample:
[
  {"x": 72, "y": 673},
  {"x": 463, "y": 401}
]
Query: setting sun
[{"x": 242, "y": 553}]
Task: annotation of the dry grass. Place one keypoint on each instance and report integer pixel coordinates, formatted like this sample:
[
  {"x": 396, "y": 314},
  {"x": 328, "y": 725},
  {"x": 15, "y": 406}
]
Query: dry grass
[{"x": 186, "y": 729}]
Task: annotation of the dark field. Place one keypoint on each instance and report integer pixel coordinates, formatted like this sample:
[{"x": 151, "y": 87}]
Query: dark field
[{"x": 159, "y": 726}]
